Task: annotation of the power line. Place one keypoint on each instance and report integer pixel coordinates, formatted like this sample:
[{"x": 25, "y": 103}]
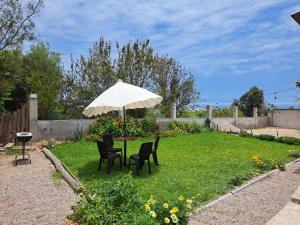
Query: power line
[{"x": 228, "y": 100}]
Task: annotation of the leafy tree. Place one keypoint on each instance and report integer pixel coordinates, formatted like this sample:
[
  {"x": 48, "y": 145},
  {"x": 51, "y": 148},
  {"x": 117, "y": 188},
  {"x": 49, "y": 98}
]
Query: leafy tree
[
  {"x": 44, "y": 77},
  {"x": 16, "y": 23},
  {"x": 235, "y": 102},
  {"x": 13, "y": 87},
  {"x": 136, "y": 64},
  {"x": 174, "y": 83},
  {"x": 87, "y": 78},
  {"x": 252, "y": 98}
]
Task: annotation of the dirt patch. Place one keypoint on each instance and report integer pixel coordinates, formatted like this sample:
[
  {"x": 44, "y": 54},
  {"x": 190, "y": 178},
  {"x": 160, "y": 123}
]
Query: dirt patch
[{"x": 30, "y": 195}]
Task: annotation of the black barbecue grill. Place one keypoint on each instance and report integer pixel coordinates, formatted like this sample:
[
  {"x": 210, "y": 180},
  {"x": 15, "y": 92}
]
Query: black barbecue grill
[{"x": 23, "y": 137}]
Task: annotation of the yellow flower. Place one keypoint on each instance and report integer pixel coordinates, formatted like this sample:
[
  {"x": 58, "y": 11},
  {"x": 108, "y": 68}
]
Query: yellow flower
[
  {"x": 174, "y": 218},
  {"x": 167, "y": 220},
  {"x": 147, "y": 207},
  {"x": 166, "y": 205},
  {"x": 152, "y": 214},
  {"x": 151, "y": 201},
  {"x": 174, "y": 210},
  {"x": 188, "y": 206},
  {"x": 189, "y": 201},
  {"x": 180, "y": 198}
]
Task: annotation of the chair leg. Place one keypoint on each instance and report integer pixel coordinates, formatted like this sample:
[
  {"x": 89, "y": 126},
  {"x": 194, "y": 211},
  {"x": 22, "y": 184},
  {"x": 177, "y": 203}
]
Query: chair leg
[
  {"x": 121, "y": 163},
  {"x": 129, "y": 164},
  {"x": 109, "y": 163},
  {"x": 100, "y": 162},
  {"x": 137, "y": 167},
  {"x": 155, "y": 158},
  {"x": 149, "y": 167}
]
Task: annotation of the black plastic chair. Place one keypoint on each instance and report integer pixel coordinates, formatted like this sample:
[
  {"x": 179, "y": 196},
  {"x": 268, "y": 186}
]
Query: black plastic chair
[
  {"x": 144, "y": 154},
  {"x": 105, "y": 153},
  {"x": 109, "y": 142},
  {"x": 154, "y": 151}
]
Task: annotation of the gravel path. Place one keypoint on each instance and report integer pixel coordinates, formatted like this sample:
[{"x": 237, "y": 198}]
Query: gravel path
[
  {"x": 256, "y": 204},
  {"x": 277, "y": 130},
  {"x": 30, "y": 196}
]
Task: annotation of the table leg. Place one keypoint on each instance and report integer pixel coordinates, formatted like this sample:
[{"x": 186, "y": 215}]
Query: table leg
[{"x": 125, "y": 151}]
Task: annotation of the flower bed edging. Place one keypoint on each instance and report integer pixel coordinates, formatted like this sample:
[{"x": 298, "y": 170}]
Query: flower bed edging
[{"x": 59, "y": 166}]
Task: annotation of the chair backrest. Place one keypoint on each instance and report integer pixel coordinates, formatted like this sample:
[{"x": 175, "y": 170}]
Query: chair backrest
[
  {"x": 156, "y": 143},
  {"x": 108, "y": 140},
  {"x": 145, "y": 150},
  {"x": 103, "y": 151}
]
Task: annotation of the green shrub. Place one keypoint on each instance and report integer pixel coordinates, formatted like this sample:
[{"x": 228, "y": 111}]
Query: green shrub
[
  {"x": 246, "y": 134},
  {"x": 50, "y": 144},
  {"x": 168, "y": 133},
  {"x": 201, "y": 113},
  {"x": 149, "y": 126},
  {"x": 185, "y": 127},
  {"x": 289, "y": 140},
  {"x": 78, "y": 134},
  {"x": 236, "y": 181},
  {"x": 294, "y": 154},
  {"x": 107, "y": 124},
  {"x": 263, "y": 164},
  {"x": 265, "y": 137},
  {"x": 178, "y": 124},
  {"x": 92, "y": 137},
  {"x": 195, "y": 127},
  {"x": 111, "y": 202},
  {"x": 279, "y": 164},
  {"x": 115, "y": 126}
]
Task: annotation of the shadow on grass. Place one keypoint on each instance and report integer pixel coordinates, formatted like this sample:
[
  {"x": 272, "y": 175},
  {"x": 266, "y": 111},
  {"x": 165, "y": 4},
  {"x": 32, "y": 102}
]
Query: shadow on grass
[{"x": 89, "y": 172}]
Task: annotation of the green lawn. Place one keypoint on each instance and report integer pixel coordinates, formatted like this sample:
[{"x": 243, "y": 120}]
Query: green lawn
[{"x": 189, "y": 164}]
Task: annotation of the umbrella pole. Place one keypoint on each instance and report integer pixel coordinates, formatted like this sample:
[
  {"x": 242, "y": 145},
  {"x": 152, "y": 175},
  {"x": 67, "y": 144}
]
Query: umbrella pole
[{"x": 125, "y": 134}]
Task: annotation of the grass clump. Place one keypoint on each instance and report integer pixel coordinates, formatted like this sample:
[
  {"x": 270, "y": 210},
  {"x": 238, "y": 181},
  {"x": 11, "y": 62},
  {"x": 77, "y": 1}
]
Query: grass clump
[
  {"x": 57, "y": 177},
  {"x": 114, "y": 201}
]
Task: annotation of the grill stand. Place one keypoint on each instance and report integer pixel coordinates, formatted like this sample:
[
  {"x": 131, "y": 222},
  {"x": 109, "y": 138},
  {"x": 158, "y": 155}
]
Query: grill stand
[{"x": 23, "y": 159}]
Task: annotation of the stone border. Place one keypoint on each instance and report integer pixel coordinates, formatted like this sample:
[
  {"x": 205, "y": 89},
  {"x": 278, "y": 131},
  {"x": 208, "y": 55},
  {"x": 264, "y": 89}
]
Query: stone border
[
  {"x": 248, "y": 184},
  {"x": 67, "y": 175}
]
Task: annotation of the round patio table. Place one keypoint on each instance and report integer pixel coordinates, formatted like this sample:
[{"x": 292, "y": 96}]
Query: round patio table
[{"x": 125, "y": 139}]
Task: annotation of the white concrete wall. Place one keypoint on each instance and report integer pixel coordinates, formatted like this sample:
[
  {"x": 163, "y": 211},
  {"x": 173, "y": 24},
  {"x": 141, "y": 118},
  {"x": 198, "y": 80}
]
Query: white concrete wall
[
  {"x": 241, "y": 122},
  {"x": 65, "y": 129},
  {"x": 61, "y": 129},
  {"x": 285, "y": 118}
]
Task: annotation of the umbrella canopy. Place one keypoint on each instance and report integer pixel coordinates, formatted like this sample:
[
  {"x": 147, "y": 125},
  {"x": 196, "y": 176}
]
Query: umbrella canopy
[{"x": 119, "y": 96}]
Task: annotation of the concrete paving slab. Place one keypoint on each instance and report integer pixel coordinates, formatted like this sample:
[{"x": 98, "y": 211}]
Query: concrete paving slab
[
  {"x": 289, "y": 215},
  {"x": 296, "y": 196}
]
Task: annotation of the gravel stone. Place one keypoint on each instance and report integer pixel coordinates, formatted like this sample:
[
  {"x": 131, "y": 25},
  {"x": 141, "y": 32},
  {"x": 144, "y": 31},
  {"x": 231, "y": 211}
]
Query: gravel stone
[
  {"x": 254, "y": 205},
  {"x": 30, "y": 196}
]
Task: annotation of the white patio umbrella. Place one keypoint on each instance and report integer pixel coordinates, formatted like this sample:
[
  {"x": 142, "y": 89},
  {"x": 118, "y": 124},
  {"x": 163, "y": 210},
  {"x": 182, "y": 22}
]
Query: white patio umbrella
[{"x": 122, "y": 96}]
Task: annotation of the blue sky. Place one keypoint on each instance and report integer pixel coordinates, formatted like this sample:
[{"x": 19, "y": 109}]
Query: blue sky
[{"x": 228, "y": 45}]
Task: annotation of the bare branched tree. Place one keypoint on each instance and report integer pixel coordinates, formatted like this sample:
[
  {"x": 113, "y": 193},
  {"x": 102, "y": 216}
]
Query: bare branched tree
[{"x": 16, "y": 23}]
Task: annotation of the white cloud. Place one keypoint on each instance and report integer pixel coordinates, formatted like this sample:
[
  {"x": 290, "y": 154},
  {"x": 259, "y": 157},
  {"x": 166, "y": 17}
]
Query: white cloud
[{"x": 207, "y": 36}]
